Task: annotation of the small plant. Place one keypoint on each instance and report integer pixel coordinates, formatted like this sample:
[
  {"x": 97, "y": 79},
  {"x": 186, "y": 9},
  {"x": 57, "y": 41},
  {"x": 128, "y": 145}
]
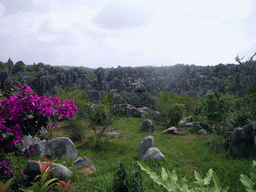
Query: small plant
[
  {"x": 241, "y": 119},
  {"x": 100, "y": 117},
  {"x": 250, "y": 183},
  {"x": 127, "y": 181},
  {"x": 6, "y": 185},
  {"x": 43, "y": 184},
  {"x": 75, "y": 129},
  {"x": 171, "y": 182},
  {"x": 65, "y": 187}
]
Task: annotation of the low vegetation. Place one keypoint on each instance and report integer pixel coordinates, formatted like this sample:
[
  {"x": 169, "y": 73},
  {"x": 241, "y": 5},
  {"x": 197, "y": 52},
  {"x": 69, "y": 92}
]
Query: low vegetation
[{"x": 116, "y": 157}]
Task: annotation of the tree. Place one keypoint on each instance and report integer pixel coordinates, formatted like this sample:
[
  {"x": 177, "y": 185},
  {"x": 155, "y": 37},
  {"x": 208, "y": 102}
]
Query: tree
[
  {"x": 100, "y": 118},
  {"x": 19, "y": 66},
  {"x": 170, "y": 110},
  {"x": 215, "y": 109}
]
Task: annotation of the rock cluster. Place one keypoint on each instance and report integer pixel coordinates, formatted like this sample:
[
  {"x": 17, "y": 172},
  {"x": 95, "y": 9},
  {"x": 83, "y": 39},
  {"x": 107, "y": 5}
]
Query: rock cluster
[{"x": 147, "y": 150}]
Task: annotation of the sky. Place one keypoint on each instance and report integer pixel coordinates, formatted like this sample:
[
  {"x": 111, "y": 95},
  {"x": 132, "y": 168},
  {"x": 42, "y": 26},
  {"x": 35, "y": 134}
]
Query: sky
[{"x": 111, "y": 33}]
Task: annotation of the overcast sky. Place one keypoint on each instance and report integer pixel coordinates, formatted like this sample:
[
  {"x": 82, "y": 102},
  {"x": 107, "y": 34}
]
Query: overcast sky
[{"x": 101, "y": 33}]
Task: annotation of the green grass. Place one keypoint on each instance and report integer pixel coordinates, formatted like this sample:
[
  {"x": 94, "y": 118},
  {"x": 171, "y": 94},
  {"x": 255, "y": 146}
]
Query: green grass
[{"x": 184, "y": 153}]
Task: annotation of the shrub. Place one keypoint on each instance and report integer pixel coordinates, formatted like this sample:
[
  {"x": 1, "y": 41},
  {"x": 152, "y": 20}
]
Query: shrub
[
  {"x": 241, "y": 119},
  {"x": 171, "y": 182},
  {"x": 127, "y": 181},
  {"x": 100, "y": 118},
  {"x": 215, "y": 109},
  {"x": 75, "y": 129},
  {"x": 170, "y": 111}
]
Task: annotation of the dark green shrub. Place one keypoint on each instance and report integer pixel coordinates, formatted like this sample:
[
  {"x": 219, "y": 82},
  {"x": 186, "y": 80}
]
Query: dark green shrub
[
  {"x": 241, "y": 119},
  {"x": 170, "y": 110},
  {"x": 100, "y": 118},
  {"x": 127, "y": 181},
  {"x": 75, "y": 129},
  {"x": 215, "y": 109}
]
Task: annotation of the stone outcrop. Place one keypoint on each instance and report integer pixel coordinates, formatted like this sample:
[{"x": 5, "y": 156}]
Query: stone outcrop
[
  {"x": 61, "y": 147},
  {"x": 147, "y": 143},
  {"x": 32, "y": 170},
  {"x": 84, "y": 165},
  {"x": 147, "y": 150},
  {"x": 26, "y": 141},
  {"x": 243, "y": 143},
  {"x": 171, "y": 130},
  {"x": 147, "y": 126}
]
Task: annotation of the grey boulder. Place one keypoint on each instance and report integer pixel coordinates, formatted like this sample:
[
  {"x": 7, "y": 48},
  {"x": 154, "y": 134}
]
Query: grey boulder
[
  {"x": 147, "y": 143},
  {"x": 61, "y": 147},
  {"x": 32, "y": 169},
  {"x": 84, "y": 165},
  {"x": 147, "y": 126},
  {"x": 172, "y": 130},
  {"x": 152, "y": 154},
  {"x": 243, "y": 143}
]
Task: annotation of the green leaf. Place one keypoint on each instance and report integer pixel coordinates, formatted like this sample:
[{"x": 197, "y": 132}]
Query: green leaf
[
  {"x": 225, "y": 189},
  {"x": 164, "y": 174},
  {"x": 198, "y": 177},
  {"x": 156, "y": 179},
  {"x": 184, "y": 184},
  {"x": 208, "y": 177},
  {"x": 247, "y": 182},
  {"x": 174, "y": 176},
  {"x": 216, "y": 181}
]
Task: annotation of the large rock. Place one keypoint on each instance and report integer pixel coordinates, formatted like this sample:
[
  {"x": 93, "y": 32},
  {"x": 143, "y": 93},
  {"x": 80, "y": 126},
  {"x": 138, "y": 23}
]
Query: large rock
[
  {"x": 172, "y": 130},
  {"x": 61, "y": 147},
  {"x": 147, "y": 143},
  {"x": 152, "y": 154},
  {"x": 194, "y": 127},
  {"x": 243, "y": 143},
  {"x": 147, "y": 126},
  {"x": 26, "y": 141},
  {"x": 186, "y": 120},
  {"x": 84, "y": 165},
  {"x": 32, "y": 170}
]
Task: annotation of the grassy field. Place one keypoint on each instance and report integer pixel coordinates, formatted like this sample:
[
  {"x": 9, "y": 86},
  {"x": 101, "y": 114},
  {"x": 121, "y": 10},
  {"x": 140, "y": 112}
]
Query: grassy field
[{"x": 184, "y": 153}]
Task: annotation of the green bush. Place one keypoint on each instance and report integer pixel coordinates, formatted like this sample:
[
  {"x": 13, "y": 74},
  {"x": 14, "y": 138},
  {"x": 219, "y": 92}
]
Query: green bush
[
  {"x": 100, "y": 118},
  {"x": 75, "y": 129},
  {"x": 171, "y": 182},
  {"x": 170, "y": 110},
  {"x": 241, "y": 119},
  {"x": 215, "y": 109},
  {"x": 127, "y": 181}
]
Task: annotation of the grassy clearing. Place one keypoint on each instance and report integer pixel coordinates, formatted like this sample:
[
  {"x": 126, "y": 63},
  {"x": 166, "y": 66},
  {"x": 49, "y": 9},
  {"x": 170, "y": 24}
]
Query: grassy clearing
[{"x": 184, "y": 153}]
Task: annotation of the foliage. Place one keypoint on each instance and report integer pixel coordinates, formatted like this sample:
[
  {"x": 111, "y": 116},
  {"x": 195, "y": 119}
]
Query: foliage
[
  {"x": 107, "y": 99},
  {"x": 65, "y": 187},
  {"x": 75, "y": 129},
  {"x": 170, "y": 110},
  {"x": 249, "y": 183},
  {"x": 26, "y": 113},
  {"x": 4, "y": 186},
  {"x": 100, "y": 118},
  {"x": 43, "y": 184},
  {"x": 215, "y": 109},
  {"x": 127, "y": 181},
  {"x": 171, "y": 182},
  {"x": 241, "y": 119}
]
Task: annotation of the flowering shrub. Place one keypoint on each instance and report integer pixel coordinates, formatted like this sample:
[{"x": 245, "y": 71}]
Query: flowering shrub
[
  {"x": 5, "y": 171},
  {"x": 28, "y": 151},
  {"x": 27, "y": 112}
]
